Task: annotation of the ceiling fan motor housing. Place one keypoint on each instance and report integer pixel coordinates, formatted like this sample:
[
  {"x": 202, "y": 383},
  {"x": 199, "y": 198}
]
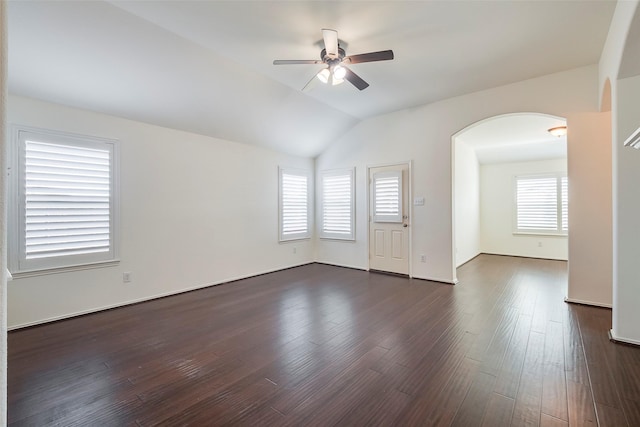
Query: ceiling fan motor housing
[{"x": 331, "y": 59}]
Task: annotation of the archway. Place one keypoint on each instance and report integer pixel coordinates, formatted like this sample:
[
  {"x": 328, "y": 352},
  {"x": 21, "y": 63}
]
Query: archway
[{"x": 520, "y": 144}]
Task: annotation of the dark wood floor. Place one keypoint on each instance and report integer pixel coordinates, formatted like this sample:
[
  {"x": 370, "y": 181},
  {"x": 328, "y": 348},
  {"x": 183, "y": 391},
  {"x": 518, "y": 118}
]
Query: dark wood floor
[{"x": 321, "y": 345}]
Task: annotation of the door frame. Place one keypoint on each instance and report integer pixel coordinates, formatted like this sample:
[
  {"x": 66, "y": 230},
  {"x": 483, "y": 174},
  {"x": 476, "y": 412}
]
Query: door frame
[{"x": 409, "y": 164}]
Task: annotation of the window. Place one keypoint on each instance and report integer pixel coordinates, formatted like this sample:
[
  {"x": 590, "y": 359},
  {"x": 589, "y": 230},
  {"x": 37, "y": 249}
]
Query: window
[
  {"x": 542, "y": 204},
  {"x": 63, "y": 201},
  {"x": 387, "y": 199},
  {"x": 337, "y": 205},
  {"x": 294, "y": 204}
]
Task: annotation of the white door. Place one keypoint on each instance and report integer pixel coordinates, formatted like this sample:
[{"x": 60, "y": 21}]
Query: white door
[{"x": 389, "y": 219}]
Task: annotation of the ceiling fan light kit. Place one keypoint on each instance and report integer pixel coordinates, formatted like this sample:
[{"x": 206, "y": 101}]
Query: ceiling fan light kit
[{"x": 335, "y": 59}]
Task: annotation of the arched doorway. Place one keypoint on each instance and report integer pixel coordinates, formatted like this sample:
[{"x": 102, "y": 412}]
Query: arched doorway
[{"x": 487, "y": 158}]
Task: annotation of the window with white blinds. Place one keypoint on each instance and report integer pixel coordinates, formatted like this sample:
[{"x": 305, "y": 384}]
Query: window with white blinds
[
  {"x": 542, "y": 204},
  {"x": 65, "y": 193},
  {"x": 294, "y": 204},
  {"x": 387, "y": 196},
  {"x": 337, "y": 204}
]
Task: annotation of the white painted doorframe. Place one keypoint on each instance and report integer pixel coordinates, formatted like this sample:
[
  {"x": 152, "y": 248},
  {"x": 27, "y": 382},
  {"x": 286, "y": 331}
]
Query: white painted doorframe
[{"x": 409, "y": 164}]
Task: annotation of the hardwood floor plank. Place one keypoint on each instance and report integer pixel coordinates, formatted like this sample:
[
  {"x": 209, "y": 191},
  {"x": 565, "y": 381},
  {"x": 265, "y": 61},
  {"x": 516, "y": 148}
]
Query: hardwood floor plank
[
  {"x": 575, "y": 363},
  {"x": 511, "y": 370},
  {"x": 475, "y": 402},
  {"x": 323, "y": 345},
  {"x": 610, "y": 417},
  {"x": 528, "y": 399},
  {"x": 581, "y": 405},
  {"x": 554, "y": 385},
  {"x": 383, "y": 411},
  {"x": 632, "y": 411},
  {"x": 548, "y": 421},
  {"x": 499, "y": 411},
  {"x": 441, "y": 409}
]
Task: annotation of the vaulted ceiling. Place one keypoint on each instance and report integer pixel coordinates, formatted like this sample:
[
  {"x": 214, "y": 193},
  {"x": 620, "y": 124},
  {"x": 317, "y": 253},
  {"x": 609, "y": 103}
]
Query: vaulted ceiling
[{"x": 206, "y": 66}]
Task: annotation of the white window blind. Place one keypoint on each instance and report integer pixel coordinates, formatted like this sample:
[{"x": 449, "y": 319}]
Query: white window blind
[
  {"x": 387, "y": 197},
  {"x": 294, "y": 204},
  {"x": 65, "y": 192},
  {"x": 541, "y": 204},
  {"x": 67, "y": 200},
  {"x": 337, "y": 204}
]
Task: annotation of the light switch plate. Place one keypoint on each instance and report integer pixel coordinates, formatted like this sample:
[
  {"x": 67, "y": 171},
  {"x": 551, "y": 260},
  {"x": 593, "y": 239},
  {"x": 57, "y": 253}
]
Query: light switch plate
[{"x": 418, "y": 201}]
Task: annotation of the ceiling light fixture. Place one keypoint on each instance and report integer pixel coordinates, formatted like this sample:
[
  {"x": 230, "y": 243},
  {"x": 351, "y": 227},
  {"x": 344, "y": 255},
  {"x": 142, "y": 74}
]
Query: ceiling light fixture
[
  {"x": 339, "y": 72},
  {"x": 332, "y": 75},
  {"x": 324, "y": 75},
  {"x": 558, "y": 131}
]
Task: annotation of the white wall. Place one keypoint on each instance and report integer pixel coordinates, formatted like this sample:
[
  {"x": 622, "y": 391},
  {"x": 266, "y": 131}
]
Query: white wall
[
  {"x": 626, "y": 318},
  {"x": 625, "y": 170},
  {"x": 497, "y": 211},
  {"x": 423, "y": 134},
  {"x": 467, "y": 203},
  {"x": 590, "y": 209},
  {"x": 194, "y": 211}
]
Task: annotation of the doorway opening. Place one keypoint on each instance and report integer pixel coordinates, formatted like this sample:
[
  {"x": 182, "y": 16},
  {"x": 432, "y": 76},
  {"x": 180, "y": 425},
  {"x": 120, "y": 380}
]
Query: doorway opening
[{"x": 510, "y": 188}]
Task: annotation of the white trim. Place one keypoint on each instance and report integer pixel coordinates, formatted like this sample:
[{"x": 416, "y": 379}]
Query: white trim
[
  {"x": 623, "y": 340},
  {"x": 336, "y": 264},
  {"x": 584, "y": 302},
  {"x": 439, "y": 280},
  {"x": 16, "y": 261},
  {"x": 525, "y": 256},
  {"x": 634, "y": 140},
  {"x": 539, "y": 233},
  {"x": 91, "y": 266},
  {"x": 410, "y": 221},
  {"x": 150, "y": 298}
]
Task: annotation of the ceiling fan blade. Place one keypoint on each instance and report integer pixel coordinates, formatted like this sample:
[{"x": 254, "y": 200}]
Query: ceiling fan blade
[
  {"x": 355, "y": 79},
  {"x": 295, "y": 61},
  {"x": 383, "y": 55},
  {"x": 330, "y": 41}
]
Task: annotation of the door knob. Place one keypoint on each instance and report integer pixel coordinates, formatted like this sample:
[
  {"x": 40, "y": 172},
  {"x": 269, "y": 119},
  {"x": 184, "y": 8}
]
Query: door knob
[{"x": 405, "y": 225}]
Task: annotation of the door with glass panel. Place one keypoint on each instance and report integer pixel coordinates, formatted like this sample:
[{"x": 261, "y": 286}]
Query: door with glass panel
[{"x": 389, "y": 219}]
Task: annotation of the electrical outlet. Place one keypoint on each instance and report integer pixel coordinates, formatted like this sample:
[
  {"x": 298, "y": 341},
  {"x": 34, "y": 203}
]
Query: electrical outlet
[
  {"x": 126, "y": 277},
  {"x": 423, "y": 258},
  {"x": 539, "y": 244}
]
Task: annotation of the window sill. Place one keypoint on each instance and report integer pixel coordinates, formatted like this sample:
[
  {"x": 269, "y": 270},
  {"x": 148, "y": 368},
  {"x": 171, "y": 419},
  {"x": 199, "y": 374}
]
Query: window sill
[
  {"x": 294, "y": 239},
  {"x": 338, "y": 239},
  {"x": 539, "y": 233},
  {"x": 44, "y": 272}
]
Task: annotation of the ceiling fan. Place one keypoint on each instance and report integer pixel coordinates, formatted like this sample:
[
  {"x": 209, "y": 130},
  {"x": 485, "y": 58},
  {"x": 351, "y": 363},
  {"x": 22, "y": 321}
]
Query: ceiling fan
[{"x": 335, "y": 58}]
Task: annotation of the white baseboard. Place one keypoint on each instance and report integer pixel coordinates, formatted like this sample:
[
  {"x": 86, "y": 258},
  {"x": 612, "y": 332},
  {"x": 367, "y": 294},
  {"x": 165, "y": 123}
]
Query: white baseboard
[
  {"x": 616, "y": 338},
  {"x": 148, "y": 298},
  {"x": 434, "y": 279},
  {"x": 335, "y": 264},
  {"x": 595, "y": 304}
]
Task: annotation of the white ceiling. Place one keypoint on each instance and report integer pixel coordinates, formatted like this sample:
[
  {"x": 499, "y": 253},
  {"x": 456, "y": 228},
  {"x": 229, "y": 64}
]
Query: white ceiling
[
  {"x": 206, "y": 66},
  {"x": 515, "y": 138}
]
